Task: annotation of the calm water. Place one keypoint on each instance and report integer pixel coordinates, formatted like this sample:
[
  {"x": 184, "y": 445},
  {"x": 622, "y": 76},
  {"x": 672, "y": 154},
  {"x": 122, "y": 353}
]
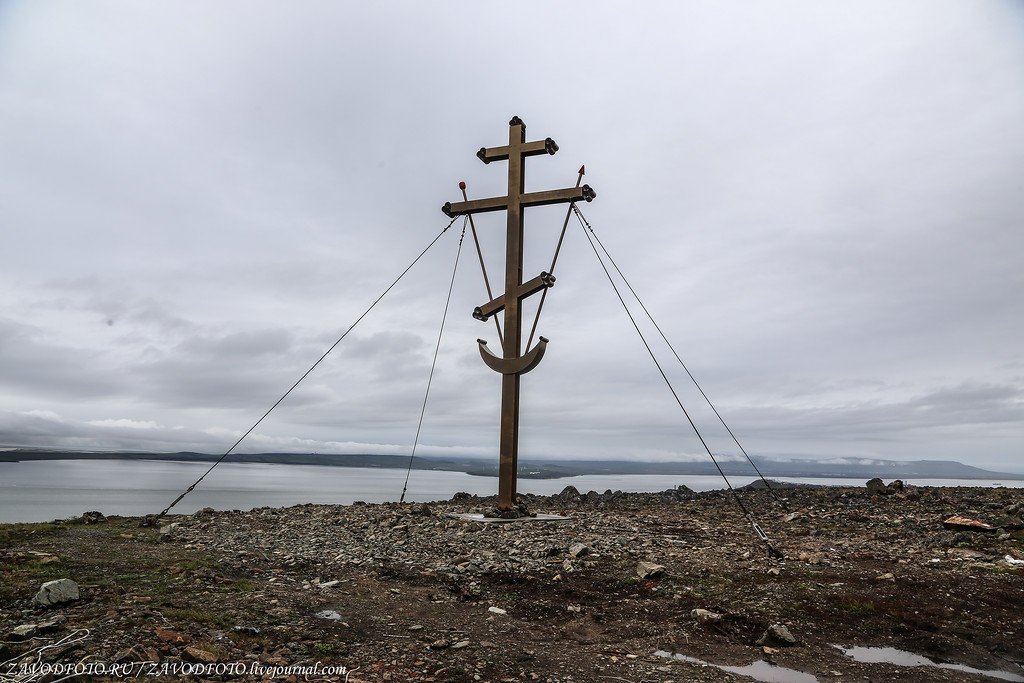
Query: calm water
[{"x": 56, "y": 489}]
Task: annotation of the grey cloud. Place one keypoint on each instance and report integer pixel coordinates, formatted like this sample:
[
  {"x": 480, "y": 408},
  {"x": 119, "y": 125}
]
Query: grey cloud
[{"x": 820, "y": 206}]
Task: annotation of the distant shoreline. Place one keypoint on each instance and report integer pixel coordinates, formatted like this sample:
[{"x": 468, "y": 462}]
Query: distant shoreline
[{"x": 852, "y": 468}]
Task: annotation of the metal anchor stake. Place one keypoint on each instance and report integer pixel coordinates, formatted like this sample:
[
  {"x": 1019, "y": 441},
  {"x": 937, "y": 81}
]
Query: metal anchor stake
[{"x": 511, "y": 364}]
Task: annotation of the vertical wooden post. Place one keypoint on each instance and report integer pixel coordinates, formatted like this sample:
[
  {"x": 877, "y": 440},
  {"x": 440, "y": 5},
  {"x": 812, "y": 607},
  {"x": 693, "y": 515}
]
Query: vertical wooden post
[{"x": 512, "y": 365}]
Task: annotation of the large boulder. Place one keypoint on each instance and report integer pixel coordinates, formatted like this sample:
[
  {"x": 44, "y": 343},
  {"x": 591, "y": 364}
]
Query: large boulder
[
  {"x": 569, "y": 493},
  {"x": 876, "y": 487},
  {"x": 57, "y": 592}
]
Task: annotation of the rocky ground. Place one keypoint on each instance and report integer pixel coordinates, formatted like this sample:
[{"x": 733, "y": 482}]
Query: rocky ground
[{"x": 407, "y": 593}]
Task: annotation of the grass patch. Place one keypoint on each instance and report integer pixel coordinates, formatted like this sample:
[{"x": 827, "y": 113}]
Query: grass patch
[
  {"x": 857, "y": 606},
  {"x": 325, "y": 649},
  {"x": 12, "y": 533},
  {"x": 35, "y": 570}
]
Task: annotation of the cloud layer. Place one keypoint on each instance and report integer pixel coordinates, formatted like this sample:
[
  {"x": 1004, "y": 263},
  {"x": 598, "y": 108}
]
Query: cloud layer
[{"x": 820, "y": 205}]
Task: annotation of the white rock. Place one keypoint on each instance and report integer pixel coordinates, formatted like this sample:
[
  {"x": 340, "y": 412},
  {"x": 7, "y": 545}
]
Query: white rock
[
  {"x": 57, "y": 592},
  {"x": 329, "y": 614},
  {"x": 496, "y": 610},
  {"x": 705, "y": 616}
]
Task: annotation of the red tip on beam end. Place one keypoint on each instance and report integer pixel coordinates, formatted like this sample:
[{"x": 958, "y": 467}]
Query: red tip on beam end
[
  {"x": 583, "y": 170},
  {"x": 462, "y": 184}
]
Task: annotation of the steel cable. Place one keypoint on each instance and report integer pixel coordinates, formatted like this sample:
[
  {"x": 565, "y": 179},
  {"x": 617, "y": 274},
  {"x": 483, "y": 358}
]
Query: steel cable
[
  {"x": 433, "y": 363},
  {"x": 306, "y": 373},
  {"x": 739, "y": 502},
  {"x": 693, "y": 379}
]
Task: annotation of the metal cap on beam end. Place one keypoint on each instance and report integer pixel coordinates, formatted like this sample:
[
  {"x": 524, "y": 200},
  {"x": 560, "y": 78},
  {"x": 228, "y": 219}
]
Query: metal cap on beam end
[
  {"x": 479, "y": 315},
  {"x": 588, "y": 193},
  {"x": 550, "y": 146},
  {"x": 516, "y": 121},
  {"x": 481, "y": 341},
  {"x": 543, "y": 339},
  {"x": 447, "y": 209},
  {"x": 482, "y": 155}
]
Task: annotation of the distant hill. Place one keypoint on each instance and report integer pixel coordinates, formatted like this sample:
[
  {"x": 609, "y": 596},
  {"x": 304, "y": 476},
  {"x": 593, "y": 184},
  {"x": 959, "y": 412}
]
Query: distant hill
[{"x": 864, "y": 468}]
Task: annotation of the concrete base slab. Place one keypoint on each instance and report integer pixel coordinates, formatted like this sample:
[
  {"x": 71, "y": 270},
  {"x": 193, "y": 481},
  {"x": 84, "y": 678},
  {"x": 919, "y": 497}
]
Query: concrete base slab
[{"x": 479, "y": 517}]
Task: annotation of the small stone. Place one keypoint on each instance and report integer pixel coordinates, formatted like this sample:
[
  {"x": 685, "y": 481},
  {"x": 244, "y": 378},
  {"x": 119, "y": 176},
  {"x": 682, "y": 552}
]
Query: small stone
[
  {"x": 461, "y": 644},
  {"x": 496, "y": 610},
  {"x": 1009, "y": 522},
  {"x": 888, "y": 576},
  {"x": 578, "y": 550},
  {"x": 167, "y": 531},
  {"x": 52, "y": 625},
  {"x": 57, "y": 592},
  {"x": 960, "y": 523},
  {"x": 93, "y": 517},
  {"x": 777, "y": 635},
  {"x": 23, "y": 632},
  {"x": 440, "y": 644},
  {"x": 132, "y": 654},
  {"x": 811, "y": 558},
  {"x": 330, "y": 584},
  {"x": 416, "y": 627},
  {"x": 574, "y": 608},
  {"x": 169, "y": 636},
  {"x": 649, "y": 570},
  {"x": 200, "y": 656}
]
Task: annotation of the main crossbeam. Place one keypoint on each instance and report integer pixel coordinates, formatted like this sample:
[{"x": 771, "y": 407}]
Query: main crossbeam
[{"x": 569, "y": 194}]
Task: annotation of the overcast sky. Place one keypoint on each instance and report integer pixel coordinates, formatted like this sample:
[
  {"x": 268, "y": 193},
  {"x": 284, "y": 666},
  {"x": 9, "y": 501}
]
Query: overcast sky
[{"x": 821, "y": 203}]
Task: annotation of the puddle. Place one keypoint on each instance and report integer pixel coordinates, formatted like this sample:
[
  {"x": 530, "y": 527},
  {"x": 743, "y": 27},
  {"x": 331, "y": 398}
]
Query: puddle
[
  {"x": 759, "y": 670},
  {"x": 890, "y": 655}
]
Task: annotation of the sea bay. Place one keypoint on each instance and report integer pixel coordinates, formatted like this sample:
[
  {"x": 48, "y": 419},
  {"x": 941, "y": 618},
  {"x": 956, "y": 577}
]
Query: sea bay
[{"x": 35, "y": 491}]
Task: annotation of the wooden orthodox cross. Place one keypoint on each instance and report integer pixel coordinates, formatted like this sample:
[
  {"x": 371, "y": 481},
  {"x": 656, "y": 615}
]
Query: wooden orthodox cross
[{"x": 511, "y": 364}]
